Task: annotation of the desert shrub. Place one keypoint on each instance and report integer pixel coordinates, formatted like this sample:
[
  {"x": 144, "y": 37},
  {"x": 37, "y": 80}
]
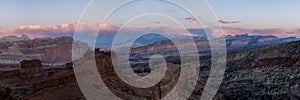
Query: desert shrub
[{"x": 69, "y": 66}]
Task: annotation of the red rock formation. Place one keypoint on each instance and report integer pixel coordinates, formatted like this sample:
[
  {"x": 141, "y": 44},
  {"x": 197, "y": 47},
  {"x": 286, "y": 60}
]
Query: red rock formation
[
  {"x": 52, "y": 52},
  {"x": 31, "y": 68}
]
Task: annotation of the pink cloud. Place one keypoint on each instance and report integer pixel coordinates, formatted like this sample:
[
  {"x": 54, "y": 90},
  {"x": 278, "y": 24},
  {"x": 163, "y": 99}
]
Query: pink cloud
[
  {"x": 34, "y": 31},
  {"x": 280, "y": 32},
  {"x": 271, "y": 31},
  {"x": 231, "y": 30}
]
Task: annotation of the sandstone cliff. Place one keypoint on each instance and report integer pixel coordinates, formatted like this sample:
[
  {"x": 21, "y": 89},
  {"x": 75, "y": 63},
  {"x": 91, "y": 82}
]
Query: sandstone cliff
[{"x": 53, "y": 52}]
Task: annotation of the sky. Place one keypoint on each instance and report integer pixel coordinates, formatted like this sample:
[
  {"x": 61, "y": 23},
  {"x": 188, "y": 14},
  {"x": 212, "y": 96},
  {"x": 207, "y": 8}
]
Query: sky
[
  {"x": 40, "y": 12},
  {"x": 40, "y": 18},
  {"x": 259, "y": 13}
]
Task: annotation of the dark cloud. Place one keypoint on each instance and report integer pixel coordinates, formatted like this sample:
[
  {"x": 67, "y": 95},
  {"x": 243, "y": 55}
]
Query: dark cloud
[
  {"x": 190, "y": 19},
  {"x": 290, "y": 32},
  {"x": 228, "y": 22}
]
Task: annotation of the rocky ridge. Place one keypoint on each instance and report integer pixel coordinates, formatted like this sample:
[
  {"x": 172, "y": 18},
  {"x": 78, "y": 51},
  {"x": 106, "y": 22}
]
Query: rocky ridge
[{"x": 264, "y": 73}]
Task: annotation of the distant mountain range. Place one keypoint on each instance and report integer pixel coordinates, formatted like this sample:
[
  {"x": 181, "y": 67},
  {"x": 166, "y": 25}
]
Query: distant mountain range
[
  {"x": 157, "y": 44},
  {"x": 106, "y": 37},
  {"x": 150, "y": 38},
  {"x": 14, "y": 38},
  {"x": 232, "y": 41}
]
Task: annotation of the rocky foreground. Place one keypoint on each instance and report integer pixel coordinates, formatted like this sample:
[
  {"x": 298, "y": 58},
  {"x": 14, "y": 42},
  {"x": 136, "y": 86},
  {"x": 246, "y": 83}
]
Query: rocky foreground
[
  {"x": 271, "y": 72},
  {"x": 267, "y": 73}
]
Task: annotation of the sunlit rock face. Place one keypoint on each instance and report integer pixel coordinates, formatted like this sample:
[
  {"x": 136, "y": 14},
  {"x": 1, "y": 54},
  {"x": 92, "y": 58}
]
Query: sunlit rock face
[
  {"x": 12, "y": 55},
  {"x": 52, "y": 52}
]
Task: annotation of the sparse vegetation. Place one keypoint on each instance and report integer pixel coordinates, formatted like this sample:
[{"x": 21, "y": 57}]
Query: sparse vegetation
[{"x": 69, "y": 66}]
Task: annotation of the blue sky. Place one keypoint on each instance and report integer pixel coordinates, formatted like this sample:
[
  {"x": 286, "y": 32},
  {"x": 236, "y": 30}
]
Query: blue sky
[
  {"x": 252, "y": 14},
  {"x": 40, "y": 12},
  {"x": 259, "y": 13}
]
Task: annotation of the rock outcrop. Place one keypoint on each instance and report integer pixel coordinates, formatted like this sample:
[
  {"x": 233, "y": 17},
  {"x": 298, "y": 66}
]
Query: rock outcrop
[
  {"x": 264, "y": 73},
  {"x": 14, "y": 38},
  {"x": 31, "y": 68},
  {"x": 52, "y": 52}
]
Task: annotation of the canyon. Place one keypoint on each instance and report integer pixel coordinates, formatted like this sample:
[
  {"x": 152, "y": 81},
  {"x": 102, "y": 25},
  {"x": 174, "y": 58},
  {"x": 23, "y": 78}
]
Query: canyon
[
  {"x": 268, "y": 71},
  {"x": 53, "y": 52}
]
